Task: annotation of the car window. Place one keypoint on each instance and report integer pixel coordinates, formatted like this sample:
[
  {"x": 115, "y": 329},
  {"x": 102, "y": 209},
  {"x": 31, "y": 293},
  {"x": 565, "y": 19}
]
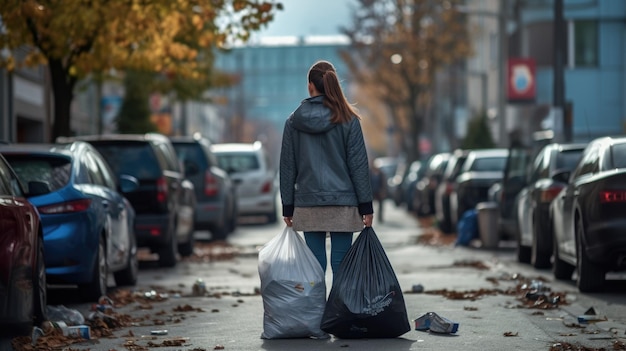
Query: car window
[
  {"x": 107, "y": 177},
  {"x": 191, "y": 152},
  {"x": 238, "y": 162},
  {"x": 5, "y": 180},
  {"x": 618, "y": 156},
  {"x": 169, "y": 156},
  {"x": 568, "y": 159},
  {"x": 135, "y": 159},
  {"x": 483, "y": 164},
  {"x": 537, "y": 168},
  {"x": 55, "y": 171}
]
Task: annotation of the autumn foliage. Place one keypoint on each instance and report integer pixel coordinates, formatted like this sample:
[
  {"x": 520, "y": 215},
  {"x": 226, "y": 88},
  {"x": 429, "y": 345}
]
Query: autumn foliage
[{"x": 76, "y": 38}]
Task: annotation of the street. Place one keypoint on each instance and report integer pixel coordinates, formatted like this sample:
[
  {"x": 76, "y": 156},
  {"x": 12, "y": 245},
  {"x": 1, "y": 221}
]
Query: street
[{"x": 471, "y": 286}]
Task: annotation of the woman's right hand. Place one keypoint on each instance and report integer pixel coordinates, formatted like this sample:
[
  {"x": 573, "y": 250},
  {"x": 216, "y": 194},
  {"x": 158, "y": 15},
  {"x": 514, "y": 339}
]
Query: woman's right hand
[
  {"x": 368, "y": 219},
  {"x": 288, "y": 221}
]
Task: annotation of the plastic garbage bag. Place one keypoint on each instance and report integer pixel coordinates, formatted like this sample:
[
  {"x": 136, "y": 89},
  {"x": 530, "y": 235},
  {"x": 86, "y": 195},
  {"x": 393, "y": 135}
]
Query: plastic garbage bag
[
  {"x": 467, "y": 228},
  {"x": 365, "y": 300},
  {"x": 63, "y": 314},
  {"x": 293, "y": 288}
]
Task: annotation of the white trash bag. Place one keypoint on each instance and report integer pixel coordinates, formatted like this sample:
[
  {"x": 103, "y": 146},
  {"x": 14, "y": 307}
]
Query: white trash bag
[{"x": 293, "y": 288}]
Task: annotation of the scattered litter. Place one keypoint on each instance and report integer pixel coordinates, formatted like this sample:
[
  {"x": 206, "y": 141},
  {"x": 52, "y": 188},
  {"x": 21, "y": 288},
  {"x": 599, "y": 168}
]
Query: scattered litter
[
  {"x": 159, "y": 332},
  {"x": 198, "y": 288},
  {"x": 470, "y": 308},
  {"x": 591, "y": 316},
  {"x": 218, "y": 347},
  {"x": 472, "y": 264},
  {"x": 510, "y": 333},
  {"x": 435, "y": 323},
  {"x": 417, "y": 288},
  {"x": 64, "y": 314}
]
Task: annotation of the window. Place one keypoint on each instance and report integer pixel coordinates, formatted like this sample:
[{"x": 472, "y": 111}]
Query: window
[{"x": 583, "y": 41}]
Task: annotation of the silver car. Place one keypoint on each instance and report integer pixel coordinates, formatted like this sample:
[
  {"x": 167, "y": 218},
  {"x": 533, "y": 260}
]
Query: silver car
[{"x": 249, "y": 167}]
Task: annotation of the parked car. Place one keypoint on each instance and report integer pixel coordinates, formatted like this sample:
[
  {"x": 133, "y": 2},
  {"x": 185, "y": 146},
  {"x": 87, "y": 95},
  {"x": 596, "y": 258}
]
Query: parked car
[
  {"x": 481, "y": 170},
  {"x": 406, "y": 189},
  {"x": 389, "y": 165},
  {"x": 215, "y": 192},
  {"x": 248, "y": 165},
  {"x": 424, "y": 194},
  {"x": 23, "y": 296},
  {"x": 588, "y": 215},
  {"x": 152, "y": 160},
  {"x": 533, "y": 201},
  {"x": 445, "y": 220},
  {"x": 87, "y": 223},
  {"x": 521, "y": 154}
]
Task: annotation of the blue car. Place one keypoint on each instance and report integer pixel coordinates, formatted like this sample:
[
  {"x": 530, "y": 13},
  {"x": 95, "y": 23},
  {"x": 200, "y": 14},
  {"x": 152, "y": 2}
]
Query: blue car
[{"x": 87, "y": 223}]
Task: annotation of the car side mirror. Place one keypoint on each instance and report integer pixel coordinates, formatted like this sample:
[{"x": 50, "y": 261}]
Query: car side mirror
[
  {"x": 562, "y": 176},
  {"x": 38, "y": 188},
  {"x": 128, "y": 184}
]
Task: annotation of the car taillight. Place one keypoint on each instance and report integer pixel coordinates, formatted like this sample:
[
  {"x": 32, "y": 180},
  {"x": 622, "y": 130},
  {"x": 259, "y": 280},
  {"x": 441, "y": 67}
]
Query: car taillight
[
  {"x": 210, "y": 184},
  {"x": 161, "y": 186},
  {"x": 612, "y": 196},
  {"x": 547, "y": 195},
  {"x": 267, "y": 187},
  {"x": 66, "y": 207}
]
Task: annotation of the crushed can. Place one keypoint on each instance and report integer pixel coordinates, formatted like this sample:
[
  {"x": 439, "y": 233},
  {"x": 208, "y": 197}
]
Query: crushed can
[{"x": 199, "y": 288}]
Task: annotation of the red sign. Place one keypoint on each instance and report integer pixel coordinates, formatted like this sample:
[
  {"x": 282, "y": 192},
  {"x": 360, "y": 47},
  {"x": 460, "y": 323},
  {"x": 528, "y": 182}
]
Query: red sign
[{"x": 521, "y": 82}]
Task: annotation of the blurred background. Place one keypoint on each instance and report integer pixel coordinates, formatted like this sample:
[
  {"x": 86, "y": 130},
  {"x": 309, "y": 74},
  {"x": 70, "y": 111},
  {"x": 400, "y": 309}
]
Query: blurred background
[{"x": 427, "y": 76}]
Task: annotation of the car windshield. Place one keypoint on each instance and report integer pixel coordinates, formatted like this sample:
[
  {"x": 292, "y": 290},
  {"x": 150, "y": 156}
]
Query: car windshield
[
  {"x": 486, "y": 164},
  {"x": 191, "y": 152},
  {"x": 135, "y": 159},
  {"x": 568, "y": 159},
  {"x": 54, "y": 171},
  {"x": 238, "y": 162}
]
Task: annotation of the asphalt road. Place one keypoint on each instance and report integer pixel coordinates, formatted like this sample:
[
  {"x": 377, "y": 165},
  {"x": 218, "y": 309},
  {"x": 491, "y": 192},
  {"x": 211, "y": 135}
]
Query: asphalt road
[{"x": 480, "y": 289}]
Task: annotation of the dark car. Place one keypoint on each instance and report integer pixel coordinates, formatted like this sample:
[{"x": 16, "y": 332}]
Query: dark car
[
  {"x": 481, "y": 170},
  {"x": 216, "y": 196},
  {"x": 588, "y": 215},
  {"x": 533, "y": 202},
  {"x": 406, "y": 189},
  {"x": 445, "y": 220},
  {"x": 22, "y": 266},
  {"x": 424, "y": 195},
  {"x": 87, "y": 222},
  {"x": 152, "y": 160}
]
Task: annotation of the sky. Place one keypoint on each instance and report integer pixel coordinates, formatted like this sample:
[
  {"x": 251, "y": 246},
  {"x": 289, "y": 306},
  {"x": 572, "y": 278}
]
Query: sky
[{"x": 309, "y": 17}]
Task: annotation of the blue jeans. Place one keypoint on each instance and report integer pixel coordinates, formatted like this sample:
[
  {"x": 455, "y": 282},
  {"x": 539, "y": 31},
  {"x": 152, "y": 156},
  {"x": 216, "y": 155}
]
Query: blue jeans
[{"x": 340, "y": 242}]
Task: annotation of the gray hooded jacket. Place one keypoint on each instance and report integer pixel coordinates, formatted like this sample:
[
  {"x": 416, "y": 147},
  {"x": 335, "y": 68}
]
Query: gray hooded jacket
[{"x": 321, "y": 163}]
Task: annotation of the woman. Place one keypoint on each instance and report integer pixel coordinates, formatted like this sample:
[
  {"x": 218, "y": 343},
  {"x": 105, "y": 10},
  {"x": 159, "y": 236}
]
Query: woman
[{"x": 324, "y": 173}]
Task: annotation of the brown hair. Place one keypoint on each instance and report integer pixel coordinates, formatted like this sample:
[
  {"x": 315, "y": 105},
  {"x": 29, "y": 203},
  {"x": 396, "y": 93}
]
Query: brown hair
[{"x": 324, "y": 76}]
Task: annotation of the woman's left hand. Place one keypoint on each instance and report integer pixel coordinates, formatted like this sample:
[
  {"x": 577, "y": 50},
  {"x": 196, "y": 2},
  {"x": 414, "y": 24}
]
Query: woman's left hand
[{"x": 368, "y": 219}]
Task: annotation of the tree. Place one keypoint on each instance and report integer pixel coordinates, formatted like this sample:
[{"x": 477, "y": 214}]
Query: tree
[
  {"x": 478, "y": 134},
  {"x": 134, "y": 115},
  {"x": 76, "y": 38},
  {"x": 396, "y": 47}
]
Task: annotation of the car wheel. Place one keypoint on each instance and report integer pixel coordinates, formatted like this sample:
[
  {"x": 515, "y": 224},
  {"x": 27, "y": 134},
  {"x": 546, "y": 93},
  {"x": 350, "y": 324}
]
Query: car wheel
[
  {"x": 128, "y": 276},
  {"x": 98, "y": 285},
  {"x": 186, "y": 249},
  {"x": 591, "y": 277},
  {"x": 540, "y": 252},
  {"x": 40, "y": 288},
  {"x": 167, "y": 253},
  {"x": 561, "y": 269}
]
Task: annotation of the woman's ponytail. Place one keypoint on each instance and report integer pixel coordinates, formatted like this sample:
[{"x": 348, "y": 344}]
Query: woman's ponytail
[{"x": 323, "y": 75}]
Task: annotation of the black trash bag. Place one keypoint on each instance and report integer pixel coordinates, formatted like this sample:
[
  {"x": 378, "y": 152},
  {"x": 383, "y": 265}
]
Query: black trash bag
[{"x": 365, "y": 300}]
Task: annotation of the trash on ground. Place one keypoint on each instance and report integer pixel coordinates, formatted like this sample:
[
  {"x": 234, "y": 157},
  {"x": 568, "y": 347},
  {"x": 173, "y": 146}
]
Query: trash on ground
[
  {"x": 417, "y": 288},
  {"x": 64, "y": 314},
  {"x": 472, "y": 264},
  {"x": 510, "y": 333},
  {"x": 591, "y": 316},
  {"x": 435, "y": 323},
  {"x": 159, "y": 332}
]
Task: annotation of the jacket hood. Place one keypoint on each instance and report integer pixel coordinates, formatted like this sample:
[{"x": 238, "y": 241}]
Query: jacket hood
[{"x": 312, "y": 116}]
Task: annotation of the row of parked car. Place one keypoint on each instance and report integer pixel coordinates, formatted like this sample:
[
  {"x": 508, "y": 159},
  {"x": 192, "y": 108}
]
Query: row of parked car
[
  {"x": 563, "y": 203},
  {"x": 75, "y": 211}
]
